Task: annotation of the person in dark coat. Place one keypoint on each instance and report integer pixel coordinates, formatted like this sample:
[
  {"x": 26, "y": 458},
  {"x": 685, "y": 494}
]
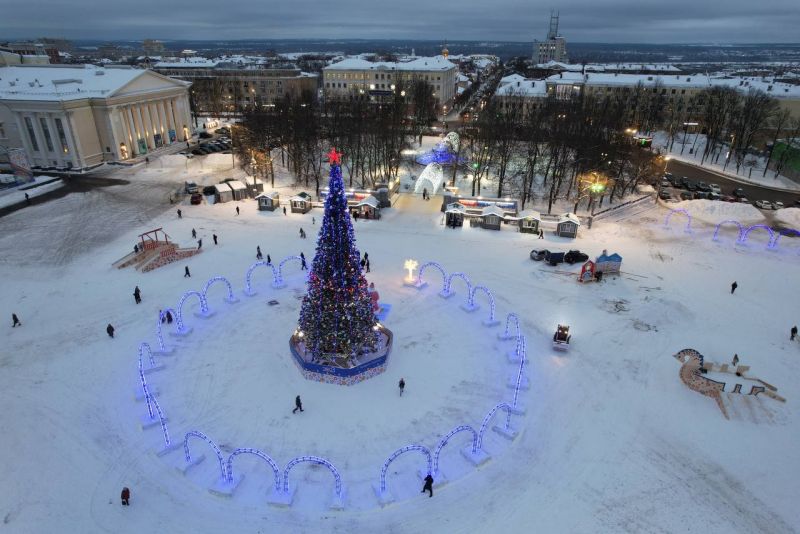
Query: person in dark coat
[
  {"x": 135, "y": 249},
  {"x": 402, "y": 386},
  {"x": 284, "y": 210},
  {"x": 366, "y": 256},
  {"x": 367, "y": 265},
  {"x": 180, "y": 214},
  {"x": 735, "y": 360},
  {"x": 110, "y": 330},
  {"x": 194, "y": 233},
  {"x": 428, "y": 485},
  {"x": 214, "y": 236},
  {"x": 541, "y": 233},
  {"x": 259, "y": 256},
  {"x": 137, "y": 295},
  {"x": 363, "y": 263},
  {"x": 298, "y": 404},
  {"x": 199, "y": 244},
  {"x": 125, "y": 496},
  {"x": 186, "y": 273},
  {"x": 269, "y": 260},
  {"x": 237, "y": 210},
  {"x": 733, "y": 287},
  {"x": 169, "y": 317},
  {"x": 15, "y": 321},
  {"x": 793, "y": 331},
  {"x": 303, "y": 265}
]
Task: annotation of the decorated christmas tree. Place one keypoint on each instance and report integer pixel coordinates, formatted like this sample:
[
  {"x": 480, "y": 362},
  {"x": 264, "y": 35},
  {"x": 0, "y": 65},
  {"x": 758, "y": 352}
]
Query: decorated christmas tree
[{"x": 336, "y": 318}]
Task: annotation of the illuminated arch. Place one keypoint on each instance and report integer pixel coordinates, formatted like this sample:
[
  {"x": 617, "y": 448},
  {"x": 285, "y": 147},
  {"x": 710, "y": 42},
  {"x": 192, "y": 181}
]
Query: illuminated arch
[
  {"x": 248, "y": 288},
  {"x": 433, "y": 176},
  {"x": 784, "y": 231},
  {"x": 275, "y": 469},
  {"x": 408, "y": 448},
  {"x": 230, "y": 298},
  {"x": 509, "y": 318},
  {"x": 688, "y": 227},
  {"x": 316, "y": 460},
  {"x": 757, "y": 227},
  {"x": 159, "y": 334},
  {"x": 180, "y": 327},
  {"x": 471, "y": 299},
  {"x": 488, "y": 418},
  {"x": 436, "y": 266},
  {"x": 278, "y": 279},
  {"x": 448, "y": 283},
  {"x": 213, "y": 445},
  {"x": 738, "y": 225},
  {"x": 445, "y": 440}
]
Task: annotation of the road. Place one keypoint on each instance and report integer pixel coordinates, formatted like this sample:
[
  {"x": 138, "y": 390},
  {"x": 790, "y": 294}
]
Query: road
[{"x": 753, "y": 192}]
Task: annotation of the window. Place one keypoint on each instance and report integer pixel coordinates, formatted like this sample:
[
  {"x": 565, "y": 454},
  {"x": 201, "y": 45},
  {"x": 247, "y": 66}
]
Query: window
[
  {"x": 62, "y": 138},
  {"x": 46, "y": 130},
  {"x": 31, "y": 135}
]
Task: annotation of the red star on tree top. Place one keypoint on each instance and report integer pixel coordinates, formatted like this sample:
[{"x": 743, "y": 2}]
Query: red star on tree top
[{"x": 334, "y": 157}]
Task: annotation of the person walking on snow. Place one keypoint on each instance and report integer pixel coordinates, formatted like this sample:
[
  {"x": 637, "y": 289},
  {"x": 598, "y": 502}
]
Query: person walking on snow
[
  {"x": 734, "y": 285},
  {"x": 180, "y": 214},
  {"x": 194, "y": 233},
  {"x": 125, "y": 496},
  {"x": 302, "y": 234},
  {"x": 284, "y": 210},
  {"x": 110, "y": 330},
  {"x": 541, "y": 233},
  {"x": 27, "y": 199},
  {"x": 199, "y": 244},
  {"x": 793, "y": 332},
  {"x": 169, "y": 317},
  {"x": 735, "y": 360},
  {"x": 237, "y": 210},
  {"x": 186, "y": 273},
  {"x": 303, "y": 265},
  {"x": 269, "y": 260},
  {"x": 298, "y": 404},
  {"x": 367, "y": 265},
  {"x": 428, "y": 485},
  {"x": 137, "y": 295},
  {"x": 402, "y": 386},
  {"x": 258, "y": 253},
  {"x": 15, "y": 321},
  {"x": 214, "y": 236},
  {"x": 313, "y": 220}
]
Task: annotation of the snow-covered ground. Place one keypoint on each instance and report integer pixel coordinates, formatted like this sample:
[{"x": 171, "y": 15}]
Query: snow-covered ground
[
  {"x": 612, "y": 440},
  {"x": 15, "y": 195}
]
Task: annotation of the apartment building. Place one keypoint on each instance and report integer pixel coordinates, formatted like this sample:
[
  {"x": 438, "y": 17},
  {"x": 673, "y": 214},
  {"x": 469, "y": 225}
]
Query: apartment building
[{"x": 356, "y": 78}]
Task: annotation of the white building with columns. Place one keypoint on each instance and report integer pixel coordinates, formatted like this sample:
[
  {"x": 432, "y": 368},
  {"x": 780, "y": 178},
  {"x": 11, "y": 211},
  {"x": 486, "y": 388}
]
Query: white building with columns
[{"x": 78, "y": 117}]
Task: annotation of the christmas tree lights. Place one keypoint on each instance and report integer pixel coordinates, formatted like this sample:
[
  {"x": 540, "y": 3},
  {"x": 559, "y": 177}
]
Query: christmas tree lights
[{"x": 336, "y": 317}]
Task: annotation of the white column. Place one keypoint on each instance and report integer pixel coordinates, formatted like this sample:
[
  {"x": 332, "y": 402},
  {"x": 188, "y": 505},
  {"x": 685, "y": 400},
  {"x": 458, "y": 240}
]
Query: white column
[
  {"x": 51, "y": 125},
  {"x": 164, "y": 124},
  {"x": 37, "y": 129},
  {"x": 157, "y": 117},
  {"x": 133, "y": 131},
  {"x": 140, "y": 126},
  {"x": 23, "y": 134},
  {"x": 73, "y": 141},
  {"x": 148, "y": 126},
  {"x": 126, "y": 132}
]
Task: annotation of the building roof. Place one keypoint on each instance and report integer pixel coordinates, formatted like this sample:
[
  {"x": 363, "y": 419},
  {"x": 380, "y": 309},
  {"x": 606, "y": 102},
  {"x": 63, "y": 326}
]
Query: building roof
[
  {"x": 569, "y": 217},
  {"x": 271, "y": 194},
  {"x": 609, "y": 257},
  {"x": 236, "y": 185},
  {"x": 222, "y": 188},
  {"x": 186, "y": 63},
  {"x": 435, "y": 63},
  {"x": 61, "y": 83},
  {"x": 529, "y": 214},
  {"x": 455, "y": 207},
  {"x": 493, "y": 209},
  {"x": 369, "y": 201},
  {"x": 522, "y": 87}
]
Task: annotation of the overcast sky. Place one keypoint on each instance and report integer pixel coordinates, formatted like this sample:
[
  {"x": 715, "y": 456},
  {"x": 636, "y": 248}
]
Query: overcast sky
[{"x": 612, "y": 21}]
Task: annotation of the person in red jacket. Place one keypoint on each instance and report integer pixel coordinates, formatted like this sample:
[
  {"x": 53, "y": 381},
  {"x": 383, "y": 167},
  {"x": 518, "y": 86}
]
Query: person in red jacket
[{"x": 125, "y": 495}]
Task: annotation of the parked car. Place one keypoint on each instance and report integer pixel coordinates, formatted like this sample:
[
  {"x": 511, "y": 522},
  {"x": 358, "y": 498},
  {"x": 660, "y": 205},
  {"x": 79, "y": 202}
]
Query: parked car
[
  {"x": 190, "y": 187},
  {"x": 196, "y": 198},
  {"x": 738, "y": 192},
  {"x": 666, "y": 183},
  {"x": 205, "y": 135},
  {"x": 702, "y": 186},
  {"x": 777, "y": 205},
  {"x": 691, "y": 186},
  {"x": 664, "y": 195},
  {"x": 686, "y": 195},
  {"x": 575, "y": 256},
  {"x": 668, "y": 175},
  {"x": 715, "y": 188},
  {"x": 684, "y": 182},
  {"x": 713, "y": 196},
  {"x": 763, "y": 204},
  {"x": 538, "y": 255},
  {"x": 744, "y": 200},
  {"x": 701, "y": 195},
  {"x": 554, "y": 258}
]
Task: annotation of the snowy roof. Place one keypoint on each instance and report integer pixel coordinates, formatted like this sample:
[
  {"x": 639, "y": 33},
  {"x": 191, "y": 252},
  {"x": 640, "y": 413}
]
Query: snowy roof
[
  {"x": 455, "y": 207},
  {"x": 523, "y": 87},
  {"x": 186, "y": 63},
  {"x": 271, "y": 194},
  {"x": 608, "y": 67},
  {"x": 222, "y": 188},
  {"x": 66, "y": 83},
  {"x": 529, "y": 214},
  {"x": 236, "y": 185},
  {"x": 493, "y": 209},
  {"x": 435, "y": 63},
  {"x": 369, "y": 201},
  {"x": 299, "y": 198},
  {"x": 513, "y": 78},
  {"x": 569, "y": 217},
  {"x": 609, "y": 257}
]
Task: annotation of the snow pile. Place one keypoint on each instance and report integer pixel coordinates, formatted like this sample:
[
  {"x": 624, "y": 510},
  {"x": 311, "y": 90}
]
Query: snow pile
[
  {"x": 789, "y": 217},
  {"x": 714, "y": 211}
]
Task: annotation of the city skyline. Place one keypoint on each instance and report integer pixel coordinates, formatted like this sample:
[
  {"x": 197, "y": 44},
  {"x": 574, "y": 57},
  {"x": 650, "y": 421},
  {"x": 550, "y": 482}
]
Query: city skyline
[{"x": 678, "y": 22}]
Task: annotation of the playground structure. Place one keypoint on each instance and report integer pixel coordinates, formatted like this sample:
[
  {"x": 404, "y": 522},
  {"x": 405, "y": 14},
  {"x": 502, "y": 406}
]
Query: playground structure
[
  {"x": 694, "y": 373},
  {"x": 154, "y": 250}
]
